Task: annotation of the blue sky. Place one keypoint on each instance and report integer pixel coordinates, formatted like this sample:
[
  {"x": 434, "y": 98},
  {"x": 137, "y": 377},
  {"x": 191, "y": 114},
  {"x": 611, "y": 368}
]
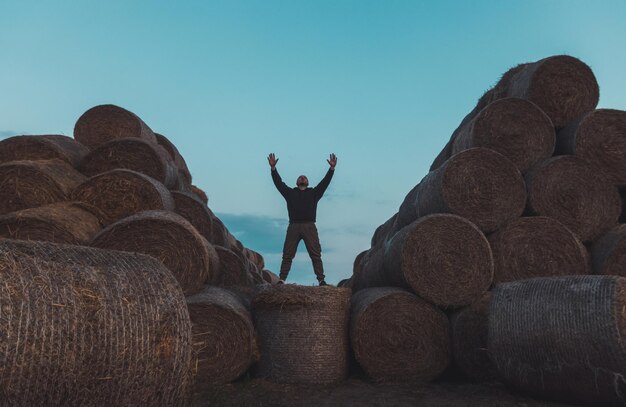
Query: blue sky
[{"x": 380, "y": 83}]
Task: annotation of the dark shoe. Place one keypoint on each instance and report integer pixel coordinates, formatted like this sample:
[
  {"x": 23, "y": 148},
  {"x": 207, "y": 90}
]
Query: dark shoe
[{"x": 323, "y": 283}]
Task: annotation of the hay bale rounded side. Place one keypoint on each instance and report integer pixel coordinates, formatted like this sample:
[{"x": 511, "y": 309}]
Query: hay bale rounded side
[
  {"x": 190, "y": 207},
  {"x": 60, "y": 222},
  {"x": 469, "y": 327},
  {"x": 569, "y": 190},
  {"x": 43, "y": 147},
  {"x": 104, "y": 123},
  {"x": 220, "y": 235},
  {"x": 371, "y": 270},
  {"x": 381, "y": 234},
  {"x": 200, "y": 193},
  {"x": 122, "y": 193},
  {"x": 131, "y": 154},
  {"x": 397, "y": 336},
  {"x": 178, "y": 160},
  {"x": 579, "y": 356},
  {"x": 222, "y": 337},
  {"x": 608, "y": 252},
  {"x": 167, "y": 237},
  {"x": 599, "y": 138},
  {"x": 270, "y": 277},
  {"x": 233, "y": 269},
  {"x": 444, "y": 259},
  {"x": 478, "y": 184},
  {"x": 515, "y": 128},
  {"x": 303, "y": 333},
  {"x": 29, "y": 184},
  {"x": 82, "y": 326},
  {"x": 537, "y": 246}
]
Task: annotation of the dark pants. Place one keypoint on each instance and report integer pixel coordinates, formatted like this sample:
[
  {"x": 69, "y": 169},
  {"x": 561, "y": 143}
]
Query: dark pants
[{"x": 308, "y": 233}]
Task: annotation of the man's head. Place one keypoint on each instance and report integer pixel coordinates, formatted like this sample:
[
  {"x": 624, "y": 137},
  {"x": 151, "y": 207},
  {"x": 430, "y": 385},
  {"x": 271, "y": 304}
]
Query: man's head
[{"x": 302, "y": 182}]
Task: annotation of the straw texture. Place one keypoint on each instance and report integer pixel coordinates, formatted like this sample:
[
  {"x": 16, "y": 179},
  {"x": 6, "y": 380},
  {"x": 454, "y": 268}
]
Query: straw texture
[
  {"x": 608, "y": 253},
  {"x": 44, "y": 147},
  {"x": 190, "y": 207},
  {"x": 233, "y": 269},
  {"x": 184, "y": 176}
]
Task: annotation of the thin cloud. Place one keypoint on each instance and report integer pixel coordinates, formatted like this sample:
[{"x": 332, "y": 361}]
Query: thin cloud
[{"x": 261, "y": 233}]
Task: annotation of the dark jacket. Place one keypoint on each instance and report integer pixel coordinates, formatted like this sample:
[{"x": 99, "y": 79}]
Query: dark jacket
[{"x": 302, "y": 205}]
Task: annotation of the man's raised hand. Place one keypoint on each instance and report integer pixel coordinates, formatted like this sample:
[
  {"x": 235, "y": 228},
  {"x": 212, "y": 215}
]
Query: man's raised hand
[
  {"x": 332, "y": 161},
  {"x": 272, "y": 160}
]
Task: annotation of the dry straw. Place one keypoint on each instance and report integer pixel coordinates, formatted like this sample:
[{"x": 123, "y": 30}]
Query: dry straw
[
  {"x": 599, "y": 138},
  {"x": 470, "y": 328},
  {"x": 537, "y": 246},
  {"x": 561, "y": 338},
  {"x": 167, "y": 237},
  {"x": 45, "y": 147},
  {"x": 370, "y": 270},
  {"x": 104, "y": 123},
  {"x": 184, "y": 176},
  {"x": 223, "y": 337},
  {"x": 569, "y": 190},
  {"x": 131, "y": 154},
  {"x": 303, "y": 333},
  {"x": 397, "y": 336},
  {"x": 122, "y": 193},
  {"x": 28, "y": 184},
  {"x": 443, "y": 258},
  {"x": 85, "y": 327},
  {"x": 200, "y": 193},
  {"x": 270, "y": 277},
  {"x": 233, "y": 269},
  {"x": 515, "y": 128},
  {"x": 381, "y": 234},
  {"x": 190, "y": 207},
  {"x": 61, "y": 222},
  {"x": 608, "y": 253}
]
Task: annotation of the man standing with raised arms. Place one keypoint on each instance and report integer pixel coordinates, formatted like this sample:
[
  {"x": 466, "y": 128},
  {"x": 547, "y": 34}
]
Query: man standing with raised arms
[{"x": 302, "y": 208}]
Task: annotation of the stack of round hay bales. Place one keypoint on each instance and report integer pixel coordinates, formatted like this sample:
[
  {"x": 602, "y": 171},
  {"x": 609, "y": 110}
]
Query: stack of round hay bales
[
  {"x": 222, "y": 336},
  {"x": 167, "y": 237},
  {"x": 561, "y": 338},
  {"x": 82, "y": 326},
  {"x": 61, "y": 222},
  {"x": 303, "y": 333},
  {"x": 397, "y": 336},
  {"x": 44, "y": 147}
]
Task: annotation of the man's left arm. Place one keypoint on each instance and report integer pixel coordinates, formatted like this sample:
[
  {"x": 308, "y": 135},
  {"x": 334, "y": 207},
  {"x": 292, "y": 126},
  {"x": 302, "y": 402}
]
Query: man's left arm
[{"x": 321, "y": 187}]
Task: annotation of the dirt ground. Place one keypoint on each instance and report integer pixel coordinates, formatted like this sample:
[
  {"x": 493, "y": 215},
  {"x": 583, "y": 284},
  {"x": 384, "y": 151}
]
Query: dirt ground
[{"x": 360, "y": 392}]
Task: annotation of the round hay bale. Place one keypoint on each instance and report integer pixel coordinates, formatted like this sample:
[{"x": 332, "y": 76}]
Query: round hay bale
[
  {"x": 345, "y": 283},
  {"x": 357, "y": 265},
  {"x": 200, "y": 193},
  {"x": 470, "y": 327},
  {"x": 60, "y": 222},
  {"x": 381, "y": 234},
  {"x": 407, "y": 212},
  {"x": 29, "y": 184},
  {"x": 190, "y": 207},
  {"x": 569, "y": 190},
  {"x": 233, "y": 269},
  {"x": 177, "y": 159},
  {"x": 45, "y": 147},
  {"x": 222, "y": 337},
  {"x": 167, "y": 237},
  {"x": 397, "y": 336},
  {"x": 84, "y": 327},
  {"x": 104, "y": 123},
  {"x": 562, "y": 86},
  {"x": 599, "y": 138},
  {"x": 131, "y": 154},
  {"x": 122, "y": 193},
  {"x": 371, "y": 272},
  {"x": 270, "y": 277},
  {"x": 537, "y": 246},
  {"x": 515, "y": 128},
  {"x": 303, "y": 333},
  {"x": 608, "y": 252},
  {"x": 478, "y": 184},
  {"x": 561, "y": 338},
  {"x": 444, "y": 259}
]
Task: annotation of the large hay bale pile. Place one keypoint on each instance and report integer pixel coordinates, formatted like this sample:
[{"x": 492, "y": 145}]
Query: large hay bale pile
[
  {"x": 29, "y": 184},
  {"x": 61, "y": 222},
  {"x": 397, "y": 336},
  {"x": 82, "y": 326},
  {"x": 608, "y": 253},
  {"x": 579, "y": 355},
  {"x": 44, "y": 147},
  {"x": 222, "y": 336},
  {"x": 303, "y": 333},
  {"x": 167, "y": 237}
]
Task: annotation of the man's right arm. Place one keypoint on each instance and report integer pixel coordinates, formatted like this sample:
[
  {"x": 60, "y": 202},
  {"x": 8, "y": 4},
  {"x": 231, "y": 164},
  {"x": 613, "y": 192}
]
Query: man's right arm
[{"x": 278, "y": 182}]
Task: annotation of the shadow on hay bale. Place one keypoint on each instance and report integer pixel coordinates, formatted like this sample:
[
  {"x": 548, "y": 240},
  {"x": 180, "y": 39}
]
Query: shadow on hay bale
[
  {"x": 270, "y": 277},
  {"x": 537, "y": 246},
  {"x": 184, "y": 179},
  {"x": 190, "y": 207},
  {"x": 599, "y": 138},
  {"x": 579, "y": 356},
  {"x": 82, "y": 326},
  {"x": 170, "y": 239},
  {"x": 104, "y": 123},
  {"x": 515, "y": 128},
  {"x": 469, "y": 327},
  {"x": 370, "y": 271},
  {"x": 223, "y": 337},
  {"x": 303, "y": 333},
  {"x": 608, "y": 253},
  {"x": 397, "y": 336},
  {"x": 131, "y": 154},
  {"x": 233, "y": 269},
  {"x": 44, "y": 147},
  {"x": 60, "y": 222},
  {"x": 29, "y": 184},
  {"x": 569, "y": 190},
  {"x": 200, "y": 193},
  {"x": 381, "y": 234},
  {"x": 122, "y": 193}
]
